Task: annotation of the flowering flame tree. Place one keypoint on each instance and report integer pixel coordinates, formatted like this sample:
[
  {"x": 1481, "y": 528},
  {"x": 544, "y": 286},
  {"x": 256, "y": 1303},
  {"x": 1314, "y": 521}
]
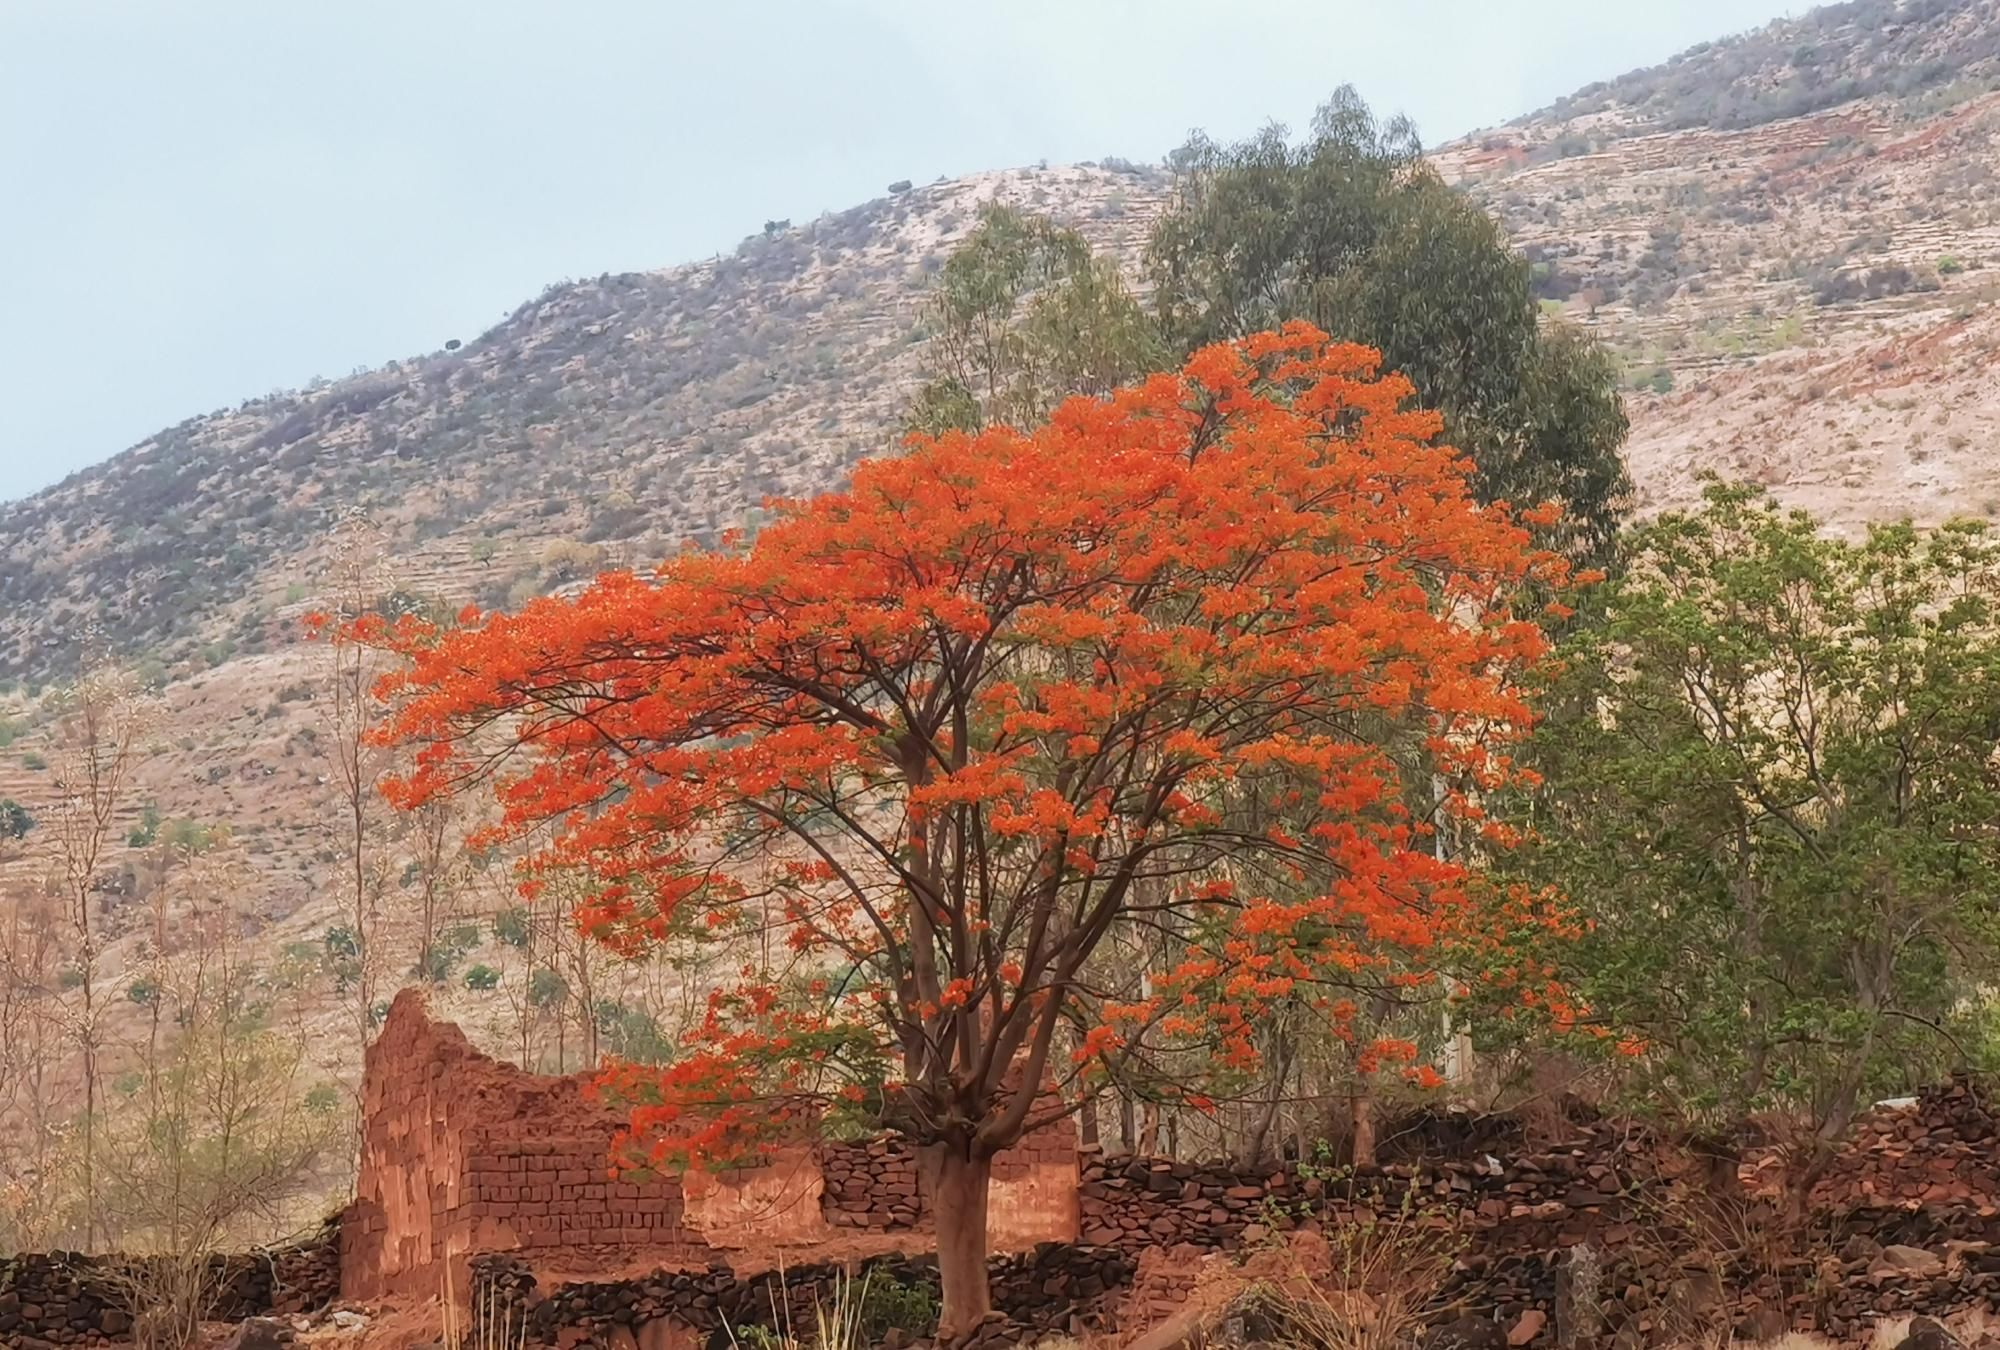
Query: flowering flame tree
[{"x": 947, "y": 729}]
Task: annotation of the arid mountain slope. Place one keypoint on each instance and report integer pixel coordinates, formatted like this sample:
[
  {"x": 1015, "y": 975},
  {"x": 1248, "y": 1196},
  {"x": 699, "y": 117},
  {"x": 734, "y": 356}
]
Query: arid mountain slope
[
  {"x": 1792, "y": 238},
  {"x": 606, "y": 422},
  {"x": 1803, "y": 300},
  {"x": 619, "y": 416}
]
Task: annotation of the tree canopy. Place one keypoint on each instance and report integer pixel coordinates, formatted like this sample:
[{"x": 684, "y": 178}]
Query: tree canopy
[
  {"x": 1351, "y": 230},
  {"x": 1779, "y": 819},
  {"x": 1022, "y": 315},
  {"x": 950, "y": 727}
]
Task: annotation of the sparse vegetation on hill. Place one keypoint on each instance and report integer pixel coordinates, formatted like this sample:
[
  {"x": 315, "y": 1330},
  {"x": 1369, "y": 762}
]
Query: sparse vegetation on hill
[
  {"x": 1828, "y": 56},
  {"x": 630, "y": 412}
]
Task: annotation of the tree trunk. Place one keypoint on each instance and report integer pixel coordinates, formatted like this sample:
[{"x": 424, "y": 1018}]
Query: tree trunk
[
  {"x": 958, "y": 1200},
  {"x": 1805, "y": 1164},
  {"x": 1364, "y": 1126},
  {"x": 1252, "y": 1151}
]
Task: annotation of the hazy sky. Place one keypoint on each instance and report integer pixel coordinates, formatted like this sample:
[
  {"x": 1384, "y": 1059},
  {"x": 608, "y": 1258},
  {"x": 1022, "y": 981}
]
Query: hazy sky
[{"x": 203, "y": 200}]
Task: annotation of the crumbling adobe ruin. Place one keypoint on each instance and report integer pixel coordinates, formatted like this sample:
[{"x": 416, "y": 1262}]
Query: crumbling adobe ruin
[{"x": 462, "y": 1154}]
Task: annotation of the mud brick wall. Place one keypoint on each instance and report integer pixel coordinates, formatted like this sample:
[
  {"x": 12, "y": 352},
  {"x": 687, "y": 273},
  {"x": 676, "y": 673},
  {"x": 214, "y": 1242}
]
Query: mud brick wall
[
  {"x": 555, "y": 1194},
  {"x": 65, "y": 1298},
  {"x": 410, "y": 1213},
  {"x": 1034, "y": 1192},
  {"x": 462, "y": 1154}
]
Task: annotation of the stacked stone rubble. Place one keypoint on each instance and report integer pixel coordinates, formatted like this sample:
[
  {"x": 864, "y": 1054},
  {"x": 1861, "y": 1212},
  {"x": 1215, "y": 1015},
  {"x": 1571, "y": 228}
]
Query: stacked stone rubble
[
  {"x": 872, "y": 1186},
  {"x": 67, "y": 1298},
  {"x": 1034, "y": 1293}
]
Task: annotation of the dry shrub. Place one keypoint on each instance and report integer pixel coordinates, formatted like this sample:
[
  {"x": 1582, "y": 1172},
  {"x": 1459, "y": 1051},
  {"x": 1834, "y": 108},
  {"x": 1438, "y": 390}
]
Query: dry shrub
[
  {"x": 492, "y": 1325},
  {"x": 838, "y": 1321},
  {"x": 1972, "y": 1326},
  {"x": 218, "y": 1131},
  {"x": 169, "y": 1295},
  {"x": 1373, "y": 1284},
  {"x": 1715, "y": 1237}
]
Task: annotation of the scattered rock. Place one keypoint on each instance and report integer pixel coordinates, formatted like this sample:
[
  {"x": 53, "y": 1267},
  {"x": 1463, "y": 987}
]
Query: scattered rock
[
  {"x": 1467, "y": 1333},
  {"x": 259, "y": 1333},
  {"x": 1897, "y": 1259},
  {"x": 1860, "y": 1248},
  {"x": 1928, "y": 1334},
  {"x": 1529, "y": 1327}
]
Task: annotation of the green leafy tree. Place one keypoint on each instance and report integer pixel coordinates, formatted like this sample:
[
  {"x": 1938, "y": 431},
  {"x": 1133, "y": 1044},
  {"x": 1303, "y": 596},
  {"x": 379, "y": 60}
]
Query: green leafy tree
[
  {"x": 1780, "y": 821},
  {"x": 1021, "y": 316},
  {"x": 1352, "y": 230},
  {"x": 147, "y": 830},
  {"x": 15, "y": 821}
]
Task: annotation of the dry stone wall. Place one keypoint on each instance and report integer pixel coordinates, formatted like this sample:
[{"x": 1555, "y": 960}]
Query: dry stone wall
[
  {"x": 873, "y": 1186},
  {"x": 1679, "y": 1236},
  {"x": 67, "y": 1298},
  {"x": 1939, "y": 1152},
  {"x": 1034, "y": 1292}
]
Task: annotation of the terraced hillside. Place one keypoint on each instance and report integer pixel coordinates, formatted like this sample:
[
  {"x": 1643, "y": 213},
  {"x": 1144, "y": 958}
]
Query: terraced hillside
[
  {"x": 1803, "y": 300},
  {"x": 606, "y": 422}
]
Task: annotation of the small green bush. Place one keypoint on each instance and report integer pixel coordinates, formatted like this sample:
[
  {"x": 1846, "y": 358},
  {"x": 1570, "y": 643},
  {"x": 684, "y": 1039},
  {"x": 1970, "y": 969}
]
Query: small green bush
[
  {"x": 547, "y": 989},
  {"x": 888, "y": 1302},
  {"x": 510, "y": 925},
  {"x": 15, "y": 822}
]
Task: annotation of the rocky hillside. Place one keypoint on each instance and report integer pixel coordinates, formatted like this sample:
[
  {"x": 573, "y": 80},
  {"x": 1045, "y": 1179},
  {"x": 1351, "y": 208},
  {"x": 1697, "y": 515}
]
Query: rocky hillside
[
  {"x": 609, "y": 419},
  {"x": 1792, "y": 238}
]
